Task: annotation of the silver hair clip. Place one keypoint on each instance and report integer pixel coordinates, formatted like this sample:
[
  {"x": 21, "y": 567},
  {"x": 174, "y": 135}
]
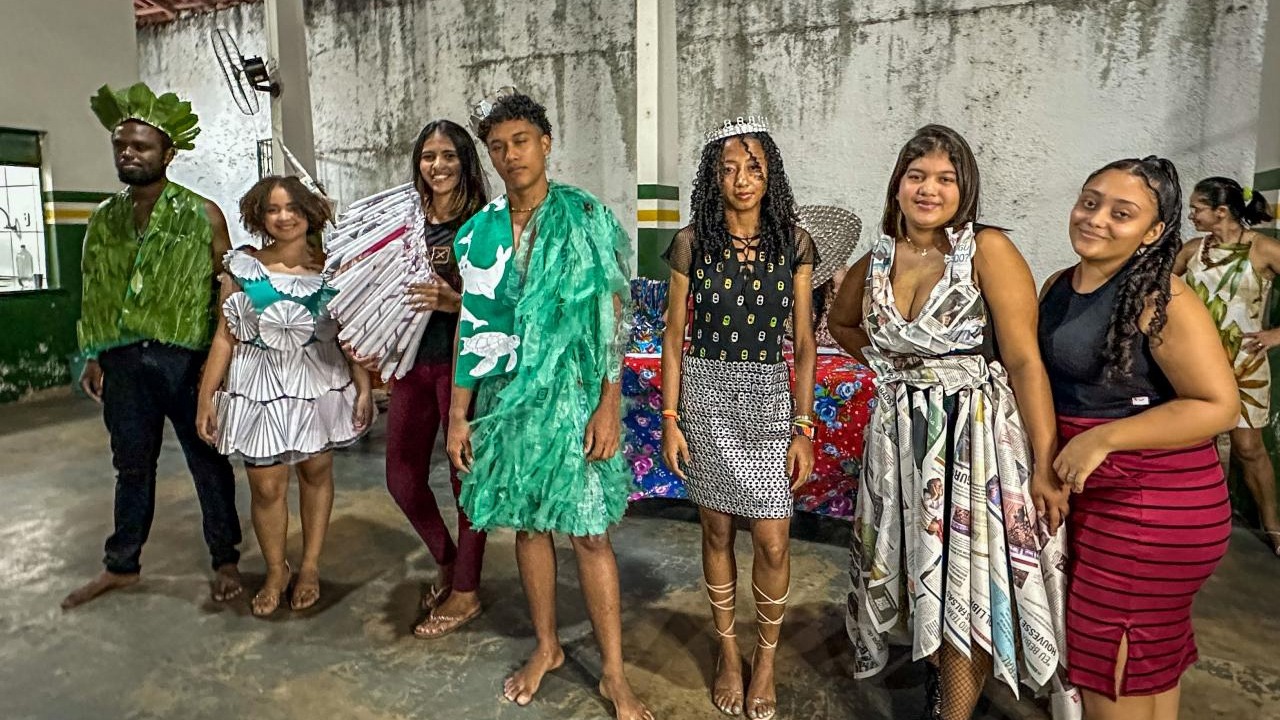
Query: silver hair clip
[
  {"x": 481, "y": 110},
  {"x": 741, "y": 126}
]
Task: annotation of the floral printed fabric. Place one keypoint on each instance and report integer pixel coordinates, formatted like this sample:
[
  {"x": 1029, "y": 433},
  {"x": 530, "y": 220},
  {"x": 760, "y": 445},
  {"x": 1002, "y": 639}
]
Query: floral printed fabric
[{"x": 843, "y": 398}]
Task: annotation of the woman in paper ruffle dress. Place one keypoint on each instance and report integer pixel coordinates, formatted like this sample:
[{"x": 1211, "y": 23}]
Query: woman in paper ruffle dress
[{"x": 277, "y": 389}]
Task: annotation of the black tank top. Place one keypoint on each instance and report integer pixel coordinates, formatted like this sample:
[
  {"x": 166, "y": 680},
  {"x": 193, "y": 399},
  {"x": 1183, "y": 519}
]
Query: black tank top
[{"x": 1073, "y": 331}]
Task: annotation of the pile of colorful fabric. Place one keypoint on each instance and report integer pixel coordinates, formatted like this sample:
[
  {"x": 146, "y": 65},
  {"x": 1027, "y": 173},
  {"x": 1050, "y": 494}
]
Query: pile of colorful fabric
[{"x": 649, "y": 297}]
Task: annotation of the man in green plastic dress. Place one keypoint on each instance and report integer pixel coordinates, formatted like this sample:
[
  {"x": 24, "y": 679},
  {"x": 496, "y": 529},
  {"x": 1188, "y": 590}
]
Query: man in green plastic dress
[
  {"x": 540, "y": 347},
  {"x": 151, "y": 255}
]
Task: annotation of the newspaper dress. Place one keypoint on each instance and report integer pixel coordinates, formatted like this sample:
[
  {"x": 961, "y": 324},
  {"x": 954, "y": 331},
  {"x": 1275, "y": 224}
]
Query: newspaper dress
[{"x": 947, "y": 545}]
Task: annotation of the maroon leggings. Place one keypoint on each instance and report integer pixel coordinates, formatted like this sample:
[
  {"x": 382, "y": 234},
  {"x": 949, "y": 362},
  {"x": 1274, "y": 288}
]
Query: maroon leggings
[{"x": 420, "y": 407}]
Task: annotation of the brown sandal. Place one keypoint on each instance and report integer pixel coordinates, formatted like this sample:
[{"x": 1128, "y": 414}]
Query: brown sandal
[{"x": 437, "y": 626}]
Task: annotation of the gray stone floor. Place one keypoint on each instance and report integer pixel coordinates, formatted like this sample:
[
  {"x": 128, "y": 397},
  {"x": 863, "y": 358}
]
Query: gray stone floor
[{"x": 162, "y": 650}]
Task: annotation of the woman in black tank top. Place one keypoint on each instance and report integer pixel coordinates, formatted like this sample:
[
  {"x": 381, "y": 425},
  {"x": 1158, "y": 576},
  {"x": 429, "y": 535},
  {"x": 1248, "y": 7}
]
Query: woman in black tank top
[{"x": 1140, "y": 386}]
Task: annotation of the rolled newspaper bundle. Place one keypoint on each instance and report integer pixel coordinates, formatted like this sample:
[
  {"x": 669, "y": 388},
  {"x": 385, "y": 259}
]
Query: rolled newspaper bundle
[{"x": 374, "y": 253}]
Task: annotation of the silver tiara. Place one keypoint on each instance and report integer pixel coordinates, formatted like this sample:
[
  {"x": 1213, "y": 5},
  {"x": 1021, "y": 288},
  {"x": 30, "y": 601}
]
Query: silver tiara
[
  {"x": 741, "y": 126},
  {"x": 481, "y": 110}
]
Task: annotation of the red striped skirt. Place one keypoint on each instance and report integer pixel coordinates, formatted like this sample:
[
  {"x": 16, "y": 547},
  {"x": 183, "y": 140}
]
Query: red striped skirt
[{"x": 1148, "y": 530}]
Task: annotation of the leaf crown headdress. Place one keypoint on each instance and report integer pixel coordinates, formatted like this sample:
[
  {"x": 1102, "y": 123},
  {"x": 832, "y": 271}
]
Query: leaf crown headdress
[{"x": 166, "y": 113}]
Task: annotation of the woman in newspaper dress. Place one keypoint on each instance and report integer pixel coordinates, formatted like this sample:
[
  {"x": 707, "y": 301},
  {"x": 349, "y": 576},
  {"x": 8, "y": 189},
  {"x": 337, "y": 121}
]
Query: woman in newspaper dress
[{"x": 950, "y": 499}]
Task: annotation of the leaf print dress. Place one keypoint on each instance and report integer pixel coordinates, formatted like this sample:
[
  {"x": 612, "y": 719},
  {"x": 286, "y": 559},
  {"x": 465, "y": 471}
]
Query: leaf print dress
[{"x": 1236, "y": 295}]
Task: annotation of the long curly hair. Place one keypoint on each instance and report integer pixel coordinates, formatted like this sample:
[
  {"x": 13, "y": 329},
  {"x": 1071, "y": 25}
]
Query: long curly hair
[
  {"x": 473, "y": 188},
  {"x": 778, "y": 217},
  {"x": 1145, "y": 278}
]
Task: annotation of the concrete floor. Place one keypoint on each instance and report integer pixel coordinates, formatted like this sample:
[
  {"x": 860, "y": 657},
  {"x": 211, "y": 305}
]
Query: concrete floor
[{"x": 162, "y": 650}]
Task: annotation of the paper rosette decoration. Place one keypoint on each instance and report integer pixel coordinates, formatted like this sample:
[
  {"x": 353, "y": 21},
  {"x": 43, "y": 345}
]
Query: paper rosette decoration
[
  {"x": 242, "y": 318},
  {"x": 286, "y": 325}
]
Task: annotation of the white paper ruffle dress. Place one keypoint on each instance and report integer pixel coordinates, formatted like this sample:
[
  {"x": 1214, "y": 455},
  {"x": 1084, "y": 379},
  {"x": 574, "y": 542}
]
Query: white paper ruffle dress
[{"x": 288, "y": 394}]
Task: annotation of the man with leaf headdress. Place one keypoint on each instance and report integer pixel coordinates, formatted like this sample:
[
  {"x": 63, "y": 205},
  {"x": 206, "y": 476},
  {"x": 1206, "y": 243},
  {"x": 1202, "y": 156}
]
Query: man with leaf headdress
[{"x": 151, "y": 255}]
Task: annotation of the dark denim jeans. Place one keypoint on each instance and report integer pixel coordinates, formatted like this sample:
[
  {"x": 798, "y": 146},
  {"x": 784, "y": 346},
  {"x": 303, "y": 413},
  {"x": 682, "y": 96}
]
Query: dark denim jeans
[{"x": 143, "y": 384}]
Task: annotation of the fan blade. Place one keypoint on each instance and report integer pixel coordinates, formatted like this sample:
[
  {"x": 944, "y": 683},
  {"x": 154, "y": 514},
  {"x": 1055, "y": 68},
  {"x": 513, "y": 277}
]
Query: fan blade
[{"x": 231, "y": 63}]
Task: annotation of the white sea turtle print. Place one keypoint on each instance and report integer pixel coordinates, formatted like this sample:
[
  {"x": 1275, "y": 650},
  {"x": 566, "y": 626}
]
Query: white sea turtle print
[
  {"x": 492, "y": 346},
  {"x": 484, "y": 281}
]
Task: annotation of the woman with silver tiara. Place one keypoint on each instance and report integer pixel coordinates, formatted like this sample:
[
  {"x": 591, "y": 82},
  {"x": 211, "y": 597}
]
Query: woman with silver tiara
[{"x": 732, "y": 429}]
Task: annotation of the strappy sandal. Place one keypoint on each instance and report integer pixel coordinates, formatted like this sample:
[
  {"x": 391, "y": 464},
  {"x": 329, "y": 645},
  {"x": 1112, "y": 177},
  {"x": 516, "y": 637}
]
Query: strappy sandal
[
  {"x": 728, "y": 604},
  {"x": 1273, "y": 539},
  {"x": 305, "y": 595},
  {"x": 435, "y": 595},
  {"x": 437, "y": 626},
  {"x": 760, "y": 708},
  {"x": 265, "y": 602}
]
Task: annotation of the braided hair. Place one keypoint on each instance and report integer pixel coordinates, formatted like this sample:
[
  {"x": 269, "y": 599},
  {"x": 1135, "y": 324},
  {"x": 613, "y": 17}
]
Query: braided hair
[
  {"x": 778, "y": 217},
  {"x": 1225, "y": 192},
  {"x": 1145, "y": 278}
]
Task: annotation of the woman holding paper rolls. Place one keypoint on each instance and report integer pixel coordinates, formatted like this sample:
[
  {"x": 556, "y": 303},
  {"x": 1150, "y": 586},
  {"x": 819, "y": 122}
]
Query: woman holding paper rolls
[
  {"x": 277, "y": 390},
  {"x": 447, "y": 175}
]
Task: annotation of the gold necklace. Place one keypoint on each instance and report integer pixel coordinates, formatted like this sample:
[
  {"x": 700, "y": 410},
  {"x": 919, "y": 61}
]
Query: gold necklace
[
  {"x": 918, "y": 250},
  {"x": 530, "y": 209}
]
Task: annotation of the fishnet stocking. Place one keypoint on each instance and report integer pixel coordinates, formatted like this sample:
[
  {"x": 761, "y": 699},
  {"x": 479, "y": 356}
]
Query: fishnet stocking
[{"x": 962, "y": 681}]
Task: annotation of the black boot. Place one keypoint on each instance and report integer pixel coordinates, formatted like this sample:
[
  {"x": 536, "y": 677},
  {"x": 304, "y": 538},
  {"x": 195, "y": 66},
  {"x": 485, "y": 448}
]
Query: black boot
[{"x": 933, "y": 693}]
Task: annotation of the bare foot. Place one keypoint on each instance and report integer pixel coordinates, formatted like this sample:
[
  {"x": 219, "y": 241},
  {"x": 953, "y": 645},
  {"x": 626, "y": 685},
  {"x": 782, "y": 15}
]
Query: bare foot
[
  {"x": 523, "y": 684},
  {"x": 727, "y": 688},
  {"x": 762, "y": 697},
  {"x": 104, "y": 582},
  {"x": 227, "y": 584},
  {"x": 626, "y": 706},
  {"x": 306, "y": 591}
]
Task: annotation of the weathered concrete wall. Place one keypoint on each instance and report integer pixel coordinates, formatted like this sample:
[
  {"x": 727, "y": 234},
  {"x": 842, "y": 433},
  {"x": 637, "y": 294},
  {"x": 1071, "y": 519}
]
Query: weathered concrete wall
[
  {"x": 179, "y": 57},
  {"x": 1045, "y": 92},
  {"x": 380, "y": 69}
]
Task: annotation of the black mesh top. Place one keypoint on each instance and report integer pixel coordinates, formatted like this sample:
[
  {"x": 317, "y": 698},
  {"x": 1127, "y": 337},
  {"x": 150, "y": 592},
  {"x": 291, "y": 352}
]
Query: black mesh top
[
  {"x": 741, "y": 301},
  {"x": 1073, "y": 332}
]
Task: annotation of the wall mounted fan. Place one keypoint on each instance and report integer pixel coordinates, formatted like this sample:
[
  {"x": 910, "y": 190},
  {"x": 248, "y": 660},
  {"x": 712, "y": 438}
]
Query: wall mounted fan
[{"x": 246, "y": 76}]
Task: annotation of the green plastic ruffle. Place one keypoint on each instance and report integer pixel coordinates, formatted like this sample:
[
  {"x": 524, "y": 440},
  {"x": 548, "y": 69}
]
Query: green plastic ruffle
[{"x": 529, "y": 471}]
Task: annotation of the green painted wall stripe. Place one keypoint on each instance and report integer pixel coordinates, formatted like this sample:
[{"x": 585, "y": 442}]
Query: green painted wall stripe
[
  {"x": 75, "y": 196},
  {"x": 1267, "y": 180},
  {"x": 20, "y": 147},
  {"x": 651, "y": 243},
  {"x": 657, "y": 192}
]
